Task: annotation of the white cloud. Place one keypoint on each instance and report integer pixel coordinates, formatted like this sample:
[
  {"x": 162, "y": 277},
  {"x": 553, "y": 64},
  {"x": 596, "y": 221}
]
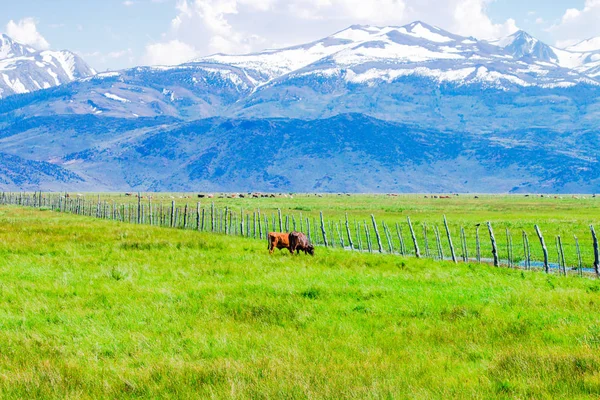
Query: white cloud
[
  {"x": 577, "y": 24},
  {"x": 169, "y": 53},
  {"x": 470, "y": 18},
  {"x": 25, "y": 32},
  {"x": 202, "y": 27},
  {"x": 119, "y": 54},
  {"x": 372, "y": 12},
  {"x": 128, "y": 3}
]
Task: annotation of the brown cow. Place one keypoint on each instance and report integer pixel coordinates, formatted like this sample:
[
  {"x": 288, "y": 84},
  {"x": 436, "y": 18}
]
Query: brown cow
[
  {"x": 280, "y": 241},
  {"x": 299, "y": 242}
]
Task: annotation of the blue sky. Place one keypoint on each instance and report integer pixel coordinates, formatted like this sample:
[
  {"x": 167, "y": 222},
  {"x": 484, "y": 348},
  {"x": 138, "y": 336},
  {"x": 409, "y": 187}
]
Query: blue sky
[{"x": 114, "y": 34}]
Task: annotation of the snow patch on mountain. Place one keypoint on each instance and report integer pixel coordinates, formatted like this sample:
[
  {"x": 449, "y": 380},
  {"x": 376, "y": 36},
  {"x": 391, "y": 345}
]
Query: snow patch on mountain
[
  {"x": 589, "y": 45},
  {"x": 116, "y": 98},
  {"x": 389, "y": 75},
  {"x": 15, "y": 85},
  {"x": 419, "y": 31},
  {"x": 388, "y": 50}
]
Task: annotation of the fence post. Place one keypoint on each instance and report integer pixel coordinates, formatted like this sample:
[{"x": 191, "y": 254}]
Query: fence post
[
  {"x": 452, "y": 253},
  {"x": 185, "y": 216},
  {"x": 558, "y": 257},
  {"x": 260, "y": 232},
  {"x": 439, "y": 243},
  {"x": 203, "y": 218},
  {"x": 280, "y": 221},
  {"x": 401, "y": 239},
  {"x": 358, "y": 235},
  {"x": 414, "y": 238},
  {"x": 579, "y": 260},
  {"x": 466, "y": 247},
  {"x": 337, "y": 227},
  {"x": 323, "y": 230},
  {"x": 477, "y": 243},
  {"x": 198, "y": 216},
  {"x": 139, "y": 210},
  {"x": 528, "y": 251},
  {"x": 267, "y": 227},
  {"x": 368, "y": 236},
  {"x": 562, "y": 256},
  {"x": 494, "y": 248},
  {"x": 524, "y": 249},
  {"x": 596, "y": 252},
  {"x": 544, "y": 248},
  {"x": 508, "y": 248},
  {"x": 242, "y": 222},
  {"x": 377, "y": 234},
  {"x": 388, "y": 237},
  {"x": 427, "y": 254},
  {"x": 212, "y": 217},
  {"x": 348, "y": 233},
  {"x": 172, "y": 213},
  {"x": 254, "y": 224}
]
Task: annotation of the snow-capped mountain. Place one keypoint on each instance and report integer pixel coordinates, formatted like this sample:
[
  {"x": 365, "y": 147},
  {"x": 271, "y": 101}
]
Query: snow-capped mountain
[
  {"x": 520, "y": 44},
  {"x": 380, "y": 71},
  {"x": 24, "y": 69},
  {"x": 419, "y": 49},
  {"x": 412, "y": 108},
  {"x": 270, "y": 64},
  {"x": 368, "y": 53}
]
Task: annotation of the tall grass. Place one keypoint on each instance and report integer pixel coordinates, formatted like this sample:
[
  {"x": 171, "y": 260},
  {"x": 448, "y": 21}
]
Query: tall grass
[{"x": 96, "y": 309}]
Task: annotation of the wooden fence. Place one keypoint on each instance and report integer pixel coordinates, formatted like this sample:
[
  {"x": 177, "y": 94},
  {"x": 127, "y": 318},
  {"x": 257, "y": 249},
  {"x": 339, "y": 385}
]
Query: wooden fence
[{"x": 366, "y": 236}]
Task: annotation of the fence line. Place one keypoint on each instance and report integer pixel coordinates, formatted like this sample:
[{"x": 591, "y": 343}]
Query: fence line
[{"x": 252, "y": 225}]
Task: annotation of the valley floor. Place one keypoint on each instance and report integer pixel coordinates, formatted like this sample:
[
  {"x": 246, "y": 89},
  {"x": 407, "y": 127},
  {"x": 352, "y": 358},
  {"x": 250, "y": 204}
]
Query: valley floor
[{"x": 100, "y": 309}]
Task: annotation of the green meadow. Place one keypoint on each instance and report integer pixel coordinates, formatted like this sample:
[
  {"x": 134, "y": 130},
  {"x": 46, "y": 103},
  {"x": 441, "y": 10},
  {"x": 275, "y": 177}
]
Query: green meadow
[
  {"x": 101, "y": 309},
  {"x": 567, "y": 216}
]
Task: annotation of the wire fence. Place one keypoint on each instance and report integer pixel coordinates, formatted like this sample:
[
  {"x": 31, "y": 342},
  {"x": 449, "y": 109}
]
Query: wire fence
[{"x": 474, "y": 244}]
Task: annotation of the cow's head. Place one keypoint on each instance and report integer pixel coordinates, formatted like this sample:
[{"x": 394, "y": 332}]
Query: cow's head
[{"x": 311, "y": 249}]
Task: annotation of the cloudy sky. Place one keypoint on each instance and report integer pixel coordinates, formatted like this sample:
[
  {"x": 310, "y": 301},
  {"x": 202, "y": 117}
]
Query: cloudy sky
[{"x": 115, "y": 34}]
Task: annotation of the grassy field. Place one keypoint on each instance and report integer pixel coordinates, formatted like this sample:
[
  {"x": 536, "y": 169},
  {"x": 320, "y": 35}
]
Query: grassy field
[
  {"x": 100, "y": 309},
  {"x": 567, "y": 216}
]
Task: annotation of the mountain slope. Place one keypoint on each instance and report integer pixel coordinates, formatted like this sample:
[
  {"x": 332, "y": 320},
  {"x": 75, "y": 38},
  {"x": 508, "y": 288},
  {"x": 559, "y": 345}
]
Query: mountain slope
[
  {"x": 352, "y": 152},
  {"x": 411, "y": 108},
  {"x": 520, "y": 44},
  {"x": 32, "y": 175},
  {"x": 362, "y": 69},
  {"x": 588, "y": 45},
  {"x": 24, "y": 70}
]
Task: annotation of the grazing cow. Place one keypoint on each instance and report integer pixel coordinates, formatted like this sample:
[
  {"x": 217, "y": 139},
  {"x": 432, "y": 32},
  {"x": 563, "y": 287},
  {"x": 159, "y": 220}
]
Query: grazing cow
[
  {"x": 280, "y": 241},
  {"x": 299, "y": 242}
]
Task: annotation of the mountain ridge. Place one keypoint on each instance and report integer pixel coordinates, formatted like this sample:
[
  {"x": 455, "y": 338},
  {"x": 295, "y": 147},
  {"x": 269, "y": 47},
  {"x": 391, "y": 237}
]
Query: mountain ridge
[
  {"x": 24, "y": 69},
  {"x": 410, "y": 108}
]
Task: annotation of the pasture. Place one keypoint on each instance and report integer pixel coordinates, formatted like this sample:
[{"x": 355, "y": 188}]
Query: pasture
[
  {"x": 95, "y": 308},
  {"x": 512, "y": 217}
]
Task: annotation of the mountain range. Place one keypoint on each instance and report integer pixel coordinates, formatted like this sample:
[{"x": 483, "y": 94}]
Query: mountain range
[
  {"x": 406, "y": 109},
  {"x": 25, "y": 69}
]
